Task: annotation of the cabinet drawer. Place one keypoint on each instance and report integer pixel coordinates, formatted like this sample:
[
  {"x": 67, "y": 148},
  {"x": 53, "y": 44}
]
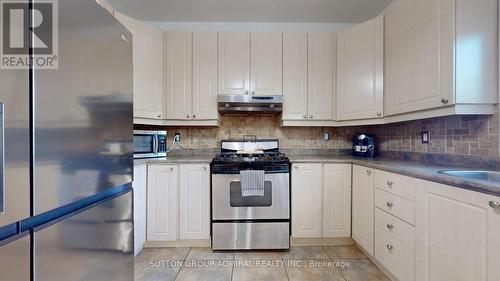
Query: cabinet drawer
[
  {"x": 396, "y": 184},
  {"x": 399, "y": 229},
  {"x": 394, "y": 255},
  {"x": 395, "y": 205}
]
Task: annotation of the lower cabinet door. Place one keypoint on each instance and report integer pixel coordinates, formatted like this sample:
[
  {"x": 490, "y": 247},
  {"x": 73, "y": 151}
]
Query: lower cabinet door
[
  {"x": 162, "y": 203},
  {"x": 363, "y": 207},
  {"x": 337, "y": 200},
  {"x": 194, "y": 201},
  {"x": 306, "y": 200},
  {"x": 457, "y": 234}
]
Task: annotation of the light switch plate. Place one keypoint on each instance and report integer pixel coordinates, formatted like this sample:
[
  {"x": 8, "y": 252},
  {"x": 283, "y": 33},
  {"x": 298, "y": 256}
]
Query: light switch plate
[{"x": 426, "y": 137}]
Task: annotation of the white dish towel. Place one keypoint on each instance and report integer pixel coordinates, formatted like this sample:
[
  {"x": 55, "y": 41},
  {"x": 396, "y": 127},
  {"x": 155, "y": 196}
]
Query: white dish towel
[{"x": 252, "y": 183}]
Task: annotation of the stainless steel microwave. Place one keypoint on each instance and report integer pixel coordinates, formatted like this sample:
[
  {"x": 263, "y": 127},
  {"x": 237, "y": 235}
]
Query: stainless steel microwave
[{"x": 150, "y": 144}]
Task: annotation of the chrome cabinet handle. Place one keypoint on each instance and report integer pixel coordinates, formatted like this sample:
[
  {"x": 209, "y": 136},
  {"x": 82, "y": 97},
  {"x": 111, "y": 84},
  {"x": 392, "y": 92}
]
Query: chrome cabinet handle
[
  {"x": 304, "y": 116},
  {"x": 390, "y": 247},
  {"x": 390, "y": 226},
  {"x": 444, "y": 101},
  {"x": 389, "y": 204},
  {"x": 494, "y": 204},
  {"x": 390, "y": 183},
  {"x": 296, "y": 167}
]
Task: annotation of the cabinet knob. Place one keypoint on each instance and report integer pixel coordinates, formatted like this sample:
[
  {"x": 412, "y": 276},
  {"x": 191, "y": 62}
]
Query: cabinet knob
[
  {"x": 389, "y": 204},
  {"x": 171, "y": 169},
  {"x": 390, "y": 183},
  {"x": 204, "y": 168},
  {"x": 187, "y": 116},
  {"x": 444, "y": 101},
  {"x": 390, "y": 247},
  {"x": 390, "y": 226},
  {"x": 296, "y": 167},
  {"x": 379, "y": 114},
  {"x": 158, "y": 115},
  {"x": 304, "y": 116},
  {"x": 246, "y": 92},
  {"x": 369, "y": 172},
  {"x": 494, "y": 204},
  {"x": 310, "y": 117},
  {"x": 253, "y": 93},
  {"x": 194, "y": 116}
]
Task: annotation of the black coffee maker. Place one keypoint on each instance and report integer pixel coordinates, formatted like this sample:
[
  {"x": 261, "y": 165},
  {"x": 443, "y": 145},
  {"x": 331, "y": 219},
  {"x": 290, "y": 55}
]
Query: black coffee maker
[{"x": 363, "y": 145}]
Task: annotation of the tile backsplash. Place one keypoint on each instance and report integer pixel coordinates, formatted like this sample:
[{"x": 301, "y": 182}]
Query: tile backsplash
[{"x": 470, "y": 135}]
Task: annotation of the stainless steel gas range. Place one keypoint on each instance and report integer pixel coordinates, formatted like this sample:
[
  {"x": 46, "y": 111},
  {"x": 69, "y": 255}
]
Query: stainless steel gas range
[{"x": 247, "y": 222}]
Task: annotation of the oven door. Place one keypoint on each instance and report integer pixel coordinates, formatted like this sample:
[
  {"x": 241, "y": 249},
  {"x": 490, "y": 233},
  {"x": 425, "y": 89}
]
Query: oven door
[
  {"x": 145, "y": 145},
  {"x": 229, "y": 204}
]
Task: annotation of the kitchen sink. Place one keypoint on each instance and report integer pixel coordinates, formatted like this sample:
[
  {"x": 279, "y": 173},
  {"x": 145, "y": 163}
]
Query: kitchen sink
[{"x": 474, "y": 175}]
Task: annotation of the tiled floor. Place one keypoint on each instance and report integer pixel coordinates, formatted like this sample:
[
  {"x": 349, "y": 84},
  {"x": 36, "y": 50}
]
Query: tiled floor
[{"x": 320, "y": 263}]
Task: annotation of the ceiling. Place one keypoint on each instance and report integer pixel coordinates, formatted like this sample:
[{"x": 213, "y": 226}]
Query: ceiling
[{"x": 290, "y": 11}]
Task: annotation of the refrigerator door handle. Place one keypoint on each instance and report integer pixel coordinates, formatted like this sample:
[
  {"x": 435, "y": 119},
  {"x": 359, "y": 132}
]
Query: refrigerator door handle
[{"x": 2, "y": 159}]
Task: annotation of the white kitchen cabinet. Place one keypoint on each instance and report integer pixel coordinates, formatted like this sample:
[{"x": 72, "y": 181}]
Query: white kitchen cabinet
[
  {"x": 139, "y": 186},
  {"x": 178, "y": 74},
  {"x": 306, "y": 200},
  {"x": 363, "y": 207},
  {"x": 204, "y": 101},
  {"x": 438, "y": 53},
  {"x": 266, "y": 63},
  {"x": 360, "y": 67},
  {"x": 162, "y": 215},
  {"x": 250, "y": 63},
  {"x": 295, "y": 76},
  {"x": 337, "y": 200},
  {"x": 321, "y": 74},
  {"x": 234, "y": 63},
  {"x": 194, "y": 219},
  {"x": 148, "y": 69},
  {"x": 457, "y": 234}
]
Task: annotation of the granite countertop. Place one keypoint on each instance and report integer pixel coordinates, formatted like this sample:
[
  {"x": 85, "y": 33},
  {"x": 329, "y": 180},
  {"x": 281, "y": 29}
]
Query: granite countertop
[{"x": 420, "y": 170}]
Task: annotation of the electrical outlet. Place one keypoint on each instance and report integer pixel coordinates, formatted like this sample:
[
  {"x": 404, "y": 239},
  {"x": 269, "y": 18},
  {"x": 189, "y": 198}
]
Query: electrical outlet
[
  {"x": 326, "y": 136},
  {"x": 426, "y": 137}
]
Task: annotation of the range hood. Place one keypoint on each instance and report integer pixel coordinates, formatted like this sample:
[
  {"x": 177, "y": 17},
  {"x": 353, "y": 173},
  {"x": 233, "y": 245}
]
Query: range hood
[{"x": 227, "y": 104}]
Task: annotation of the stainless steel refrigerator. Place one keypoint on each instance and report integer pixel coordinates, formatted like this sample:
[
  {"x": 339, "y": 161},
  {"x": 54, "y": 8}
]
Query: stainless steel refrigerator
[{"x": 66, "y": 155}]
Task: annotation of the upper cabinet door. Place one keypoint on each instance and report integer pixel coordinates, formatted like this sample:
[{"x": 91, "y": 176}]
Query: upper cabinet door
[
  {"x": 266, "y": 63},
  {"x": 234, "y": 63},
  {"x": 419, "y": 39},
  {"x": 321, "y": 73},
  {"x": 205, "y": 75},
  {"x": 294, "y": 76},
  {"x": 148, "y": 68},
  {"x": 360, "y": 66},
  {"x": 178, "y": 74}
]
